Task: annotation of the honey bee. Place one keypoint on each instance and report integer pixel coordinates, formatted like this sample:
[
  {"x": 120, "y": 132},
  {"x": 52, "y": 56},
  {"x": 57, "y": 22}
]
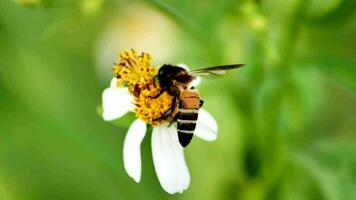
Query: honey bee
[{"x": 176, "y": 82}]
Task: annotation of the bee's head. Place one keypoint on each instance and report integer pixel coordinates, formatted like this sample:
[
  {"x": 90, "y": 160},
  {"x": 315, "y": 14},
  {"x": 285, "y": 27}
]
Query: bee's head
[{"x": 169, "y": 72}]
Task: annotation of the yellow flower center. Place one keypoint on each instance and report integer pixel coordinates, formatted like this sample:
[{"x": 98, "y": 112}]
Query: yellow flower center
[{"x": 134, "y": 71}]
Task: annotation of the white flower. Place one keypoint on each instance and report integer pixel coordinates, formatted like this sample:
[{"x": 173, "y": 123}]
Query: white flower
[{"x": 167, "y": 153}]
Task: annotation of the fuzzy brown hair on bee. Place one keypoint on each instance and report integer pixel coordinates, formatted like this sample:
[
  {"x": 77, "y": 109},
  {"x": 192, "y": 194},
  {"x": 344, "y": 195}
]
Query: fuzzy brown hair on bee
[{"x": 175, "y": 81}]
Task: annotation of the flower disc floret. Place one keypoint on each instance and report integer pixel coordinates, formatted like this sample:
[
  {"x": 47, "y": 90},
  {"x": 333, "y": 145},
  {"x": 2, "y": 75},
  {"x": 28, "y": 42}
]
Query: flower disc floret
[{"x": 134, "y": 71}]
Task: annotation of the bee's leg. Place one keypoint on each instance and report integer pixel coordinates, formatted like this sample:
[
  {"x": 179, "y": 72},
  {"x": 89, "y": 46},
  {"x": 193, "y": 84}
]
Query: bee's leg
[
  {"x": 201, "y": 103},
  {"x": 155, "y": 78},
  {"x": 173, "y": 120},
  {"x": 159, "y": 93},
  {"x": 169, "y": 111}
]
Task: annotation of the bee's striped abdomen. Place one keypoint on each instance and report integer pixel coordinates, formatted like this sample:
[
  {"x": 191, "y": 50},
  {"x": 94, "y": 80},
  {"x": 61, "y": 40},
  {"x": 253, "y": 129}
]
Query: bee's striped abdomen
[{"x": 188, "y": 115}]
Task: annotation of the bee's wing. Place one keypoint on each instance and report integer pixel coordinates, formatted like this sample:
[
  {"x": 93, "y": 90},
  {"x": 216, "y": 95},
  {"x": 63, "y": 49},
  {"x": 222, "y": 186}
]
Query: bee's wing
[{"x": 214, "y": 71}]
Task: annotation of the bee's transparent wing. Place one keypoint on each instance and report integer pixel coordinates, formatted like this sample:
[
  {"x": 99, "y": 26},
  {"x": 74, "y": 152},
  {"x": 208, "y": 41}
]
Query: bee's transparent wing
[{"x": 214, "y": 71}]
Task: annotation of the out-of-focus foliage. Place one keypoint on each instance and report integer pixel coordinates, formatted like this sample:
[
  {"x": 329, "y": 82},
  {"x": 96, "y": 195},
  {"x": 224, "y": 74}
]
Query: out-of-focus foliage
[{"x": 287, "y": 120}]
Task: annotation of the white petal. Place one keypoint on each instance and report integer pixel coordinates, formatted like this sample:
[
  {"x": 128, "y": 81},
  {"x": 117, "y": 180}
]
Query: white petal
[
  {"x": 168, "y": 159},
  {"x": 195, "y": 82},
  {"x": 116, "y": 103},
  {"x": 206, "y": 128},
  {"x": 132, "y": 153},
  {"x": 113, "y": 83}
]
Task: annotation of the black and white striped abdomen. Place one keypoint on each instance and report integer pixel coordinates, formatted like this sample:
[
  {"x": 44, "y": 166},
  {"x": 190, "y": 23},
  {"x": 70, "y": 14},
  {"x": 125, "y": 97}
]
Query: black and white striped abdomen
[
  {"x": 187, "y": 119},
  {"x": 187, "y": 116}
]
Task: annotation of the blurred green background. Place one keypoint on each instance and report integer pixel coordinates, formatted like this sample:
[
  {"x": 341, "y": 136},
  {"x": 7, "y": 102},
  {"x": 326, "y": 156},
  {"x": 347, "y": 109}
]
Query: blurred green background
[{"x": 287, "y": 120}]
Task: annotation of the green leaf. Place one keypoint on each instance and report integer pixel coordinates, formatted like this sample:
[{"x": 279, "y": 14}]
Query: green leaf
[
  {"x": 319, "y": 8},
  {"x": 340, "y": 68},
  {"x": 326, "y": 180}
]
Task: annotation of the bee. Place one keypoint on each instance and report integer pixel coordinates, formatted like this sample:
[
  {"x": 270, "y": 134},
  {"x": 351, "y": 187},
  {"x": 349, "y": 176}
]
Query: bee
[{"x": 176, "y": 82}]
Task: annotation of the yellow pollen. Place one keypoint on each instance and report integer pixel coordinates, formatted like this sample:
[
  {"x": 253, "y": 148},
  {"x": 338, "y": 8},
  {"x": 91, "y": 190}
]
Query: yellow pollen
[{"x": 134, "y": 71}]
